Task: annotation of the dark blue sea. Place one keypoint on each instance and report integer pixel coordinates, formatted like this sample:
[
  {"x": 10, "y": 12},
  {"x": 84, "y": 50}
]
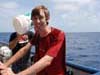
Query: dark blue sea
[{"x": 81, "y": 48}]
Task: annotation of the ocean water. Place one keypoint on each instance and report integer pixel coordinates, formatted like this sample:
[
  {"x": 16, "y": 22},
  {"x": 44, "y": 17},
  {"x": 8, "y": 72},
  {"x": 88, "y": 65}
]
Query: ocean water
[
  {"x": 84, "y": 48},
  {"x": 81, "y": 48}
]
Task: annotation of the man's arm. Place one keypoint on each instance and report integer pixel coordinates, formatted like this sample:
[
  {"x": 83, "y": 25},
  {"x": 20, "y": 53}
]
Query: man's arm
[
  {"x": 18, "y": 55},
  {"x": 38, "y": 66}
]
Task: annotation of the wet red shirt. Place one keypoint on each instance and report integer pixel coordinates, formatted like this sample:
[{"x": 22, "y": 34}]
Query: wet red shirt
[{"x": 53, "y": 45}]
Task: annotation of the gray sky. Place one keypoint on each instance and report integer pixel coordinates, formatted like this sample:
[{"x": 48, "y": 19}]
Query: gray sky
[{"x": 68, "y": 15}]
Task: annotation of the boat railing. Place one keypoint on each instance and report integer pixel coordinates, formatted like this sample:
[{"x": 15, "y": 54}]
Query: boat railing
[
  {"x": 90, "y": 70},
  {"x": 2, "y": 43}
]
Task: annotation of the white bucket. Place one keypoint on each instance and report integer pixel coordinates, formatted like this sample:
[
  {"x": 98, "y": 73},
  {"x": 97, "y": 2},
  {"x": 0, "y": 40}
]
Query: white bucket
[
  {"x": 22, "y": 24},
  {"x": 5, "y": 53}
]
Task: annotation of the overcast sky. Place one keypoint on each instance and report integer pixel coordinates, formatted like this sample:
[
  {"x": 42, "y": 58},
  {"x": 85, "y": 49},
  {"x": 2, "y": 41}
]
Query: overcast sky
[{"x": 68, "y": 15}]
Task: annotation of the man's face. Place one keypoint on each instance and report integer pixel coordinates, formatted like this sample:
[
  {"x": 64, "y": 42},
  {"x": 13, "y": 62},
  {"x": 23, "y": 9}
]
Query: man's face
[{"x": 39, "y": 21}]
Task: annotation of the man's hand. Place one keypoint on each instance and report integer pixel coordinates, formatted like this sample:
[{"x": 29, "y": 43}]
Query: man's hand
[
  {"x": 7, "y": 71},
  {"x": 2, "y": 66},
  {"x": 4, "y": 70}
]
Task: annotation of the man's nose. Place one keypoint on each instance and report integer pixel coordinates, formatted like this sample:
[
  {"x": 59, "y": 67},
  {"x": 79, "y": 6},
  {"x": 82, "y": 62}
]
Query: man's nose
[{"x": 38, "y": 20}]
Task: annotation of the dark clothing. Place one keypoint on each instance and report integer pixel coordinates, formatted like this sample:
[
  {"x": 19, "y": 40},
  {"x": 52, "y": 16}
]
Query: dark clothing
[
  {"x": 53, "y": 45},
  {"x": 22, "y": 63}
]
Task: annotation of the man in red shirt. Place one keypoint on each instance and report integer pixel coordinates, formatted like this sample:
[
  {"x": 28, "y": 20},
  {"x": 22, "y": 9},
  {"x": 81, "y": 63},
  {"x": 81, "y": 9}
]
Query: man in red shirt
[{"x": 50, "y": 48}]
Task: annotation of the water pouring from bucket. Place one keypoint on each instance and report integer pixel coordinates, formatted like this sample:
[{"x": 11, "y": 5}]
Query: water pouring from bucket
[{"x": 22, "y": 23}]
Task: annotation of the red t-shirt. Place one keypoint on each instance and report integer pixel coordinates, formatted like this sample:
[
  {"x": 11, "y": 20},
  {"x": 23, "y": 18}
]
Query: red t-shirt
[{"x": 53, "y": 45}]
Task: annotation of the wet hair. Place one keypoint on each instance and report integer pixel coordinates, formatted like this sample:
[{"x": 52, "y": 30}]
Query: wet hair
[{"x": 36, "y": 11}]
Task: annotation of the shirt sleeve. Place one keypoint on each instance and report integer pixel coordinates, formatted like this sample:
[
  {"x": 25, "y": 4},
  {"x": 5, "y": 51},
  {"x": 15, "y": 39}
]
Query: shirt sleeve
[{"x": 56, "y": 46}]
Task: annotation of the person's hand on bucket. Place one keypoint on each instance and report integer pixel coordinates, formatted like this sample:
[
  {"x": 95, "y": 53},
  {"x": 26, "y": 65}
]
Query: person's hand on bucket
[
  {"x": 5, "y": 70},
  {"x": 2, "y": 67}
]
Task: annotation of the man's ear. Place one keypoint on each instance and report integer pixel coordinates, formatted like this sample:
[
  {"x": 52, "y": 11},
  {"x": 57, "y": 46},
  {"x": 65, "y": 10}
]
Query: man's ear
[{"x": 47, "y": 18}]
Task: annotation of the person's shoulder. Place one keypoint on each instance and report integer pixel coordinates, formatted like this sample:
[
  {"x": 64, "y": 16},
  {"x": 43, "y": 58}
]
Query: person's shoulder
[
  {"x": 57, "y": 30},
  {"x": 13, "y": 33},
  {"x": 57, "y": 33}
]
